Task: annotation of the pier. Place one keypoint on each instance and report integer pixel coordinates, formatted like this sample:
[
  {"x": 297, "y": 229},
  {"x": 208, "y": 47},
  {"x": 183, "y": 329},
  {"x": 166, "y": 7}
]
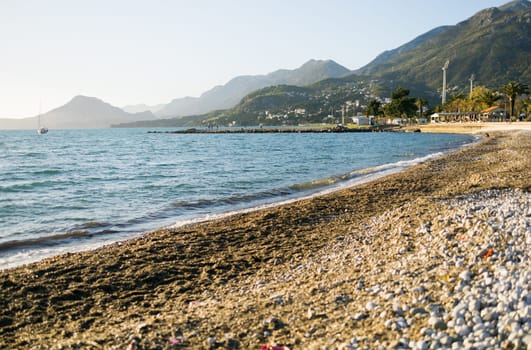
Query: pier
[{"x": 266, "y": 130}]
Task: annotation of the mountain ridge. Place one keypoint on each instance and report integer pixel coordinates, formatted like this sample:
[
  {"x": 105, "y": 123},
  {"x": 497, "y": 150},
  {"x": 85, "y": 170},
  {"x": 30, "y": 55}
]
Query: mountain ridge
[
  {"x": 494, "y": 45},
  {"x": 390, "y": 54},
  {"x": 228, "y": 95}
]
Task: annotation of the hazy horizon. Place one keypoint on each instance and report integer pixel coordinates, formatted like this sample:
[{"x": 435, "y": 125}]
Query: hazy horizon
[{"x": 140, "y": 52}]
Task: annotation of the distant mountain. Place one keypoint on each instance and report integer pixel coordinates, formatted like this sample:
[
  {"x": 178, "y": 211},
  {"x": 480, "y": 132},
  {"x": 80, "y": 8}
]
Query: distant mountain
[
  {"x": 494, "y": 45},
  {"x": 80, "y": 112},
  {"x": 142, "y": 108},
  {"x": 230, "y": 94}
]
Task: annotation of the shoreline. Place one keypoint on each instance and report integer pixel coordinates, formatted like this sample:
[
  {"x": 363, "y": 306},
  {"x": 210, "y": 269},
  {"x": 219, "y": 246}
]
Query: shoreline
[
  {"x": 333, "y": 183},
  {"x": 254, "y": 278},
  {"x": 474, "y": 128}
]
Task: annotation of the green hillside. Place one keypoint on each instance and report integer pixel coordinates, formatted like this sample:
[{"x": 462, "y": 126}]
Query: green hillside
[
  {"x": 293, "y": 105},
  {"x": 494, "y": 45}
]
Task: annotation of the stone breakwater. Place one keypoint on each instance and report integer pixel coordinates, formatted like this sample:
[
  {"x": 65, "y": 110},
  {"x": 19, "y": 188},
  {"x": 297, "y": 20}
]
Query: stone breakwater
[{"x": 276, "y": 130}]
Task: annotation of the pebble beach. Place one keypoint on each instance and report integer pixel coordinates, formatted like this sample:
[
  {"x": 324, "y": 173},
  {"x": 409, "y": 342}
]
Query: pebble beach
[{"x": 434, "y": 257}]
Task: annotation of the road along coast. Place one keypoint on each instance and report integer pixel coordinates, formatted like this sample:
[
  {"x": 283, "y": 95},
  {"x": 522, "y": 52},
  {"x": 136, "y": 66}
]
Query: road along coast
[{"x": 434, "y": 256}]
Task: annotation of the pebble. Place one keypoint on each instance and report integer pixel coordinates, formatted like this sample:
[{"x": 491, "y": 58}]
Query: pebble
[
  {"x": 492, "y": 310},
  {"x": 389, "y": 323},
  {"x": 419, "y": 289},
  {"x": 437, "y": 323},
  {"x": 465, "y": 275},
  {"x": 397, "y": 309},
  {"x": 370, "y": 306},
  {"x": 420, "y": 345},
  {"x": 419, "y": 311},
  {"x": 360, "y": 316}
]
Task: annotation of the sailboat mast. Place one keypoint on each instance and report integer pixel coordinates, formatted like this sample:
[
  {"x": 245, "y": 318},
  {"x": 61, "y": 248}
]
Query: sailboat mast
[
  {"x": 40, "y": 129},
  {"x": 39, "y": 116}
]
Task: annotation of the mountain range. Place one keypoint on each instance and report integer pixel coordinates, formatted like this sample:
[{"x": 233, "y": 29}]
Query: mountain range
[
  {"x": 228, "y": 95},
  {"x": 91, "y": 112},
  {"x": 494, "y": 45}
]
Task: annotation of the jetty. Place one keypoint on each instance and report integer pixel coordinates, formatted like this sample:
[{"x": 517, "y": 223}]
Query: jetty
[{"x": 271, "y": 130}]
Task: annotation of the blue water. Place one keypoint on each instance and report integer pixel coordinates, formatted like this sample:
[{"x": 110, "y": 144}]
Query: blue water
[{"x": 78, "y": 189}]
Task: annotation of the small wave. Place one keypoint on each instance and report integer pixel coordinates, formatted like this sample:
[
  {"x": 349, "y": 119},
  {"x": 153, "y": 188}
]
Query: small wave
[
  {"x": 317, "y": 183},
  {"x": 25, "y": 187},
  {"x": 35, "y": 155},
  {"x": 232, "y": 200},
  {"x": 47, "y": 172},
  {"x": 94, "y": 224},
  {"x": 82, "y": 231},
  {"x": 203, "y": 203},
  {"x": 407, "y": 154},
  {"x": 41, "y": 241}
]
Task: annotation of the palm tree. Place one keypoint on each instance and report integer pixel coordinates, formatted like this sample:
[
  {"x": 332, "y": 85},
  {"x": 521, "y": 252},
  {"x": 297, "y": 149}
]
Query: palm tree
[
  {"x": 524, "y": 105},
  {"x": 512, "y": 90},
  {"x": 488, "y": 98},
  {"x": 420, "y": 102}
]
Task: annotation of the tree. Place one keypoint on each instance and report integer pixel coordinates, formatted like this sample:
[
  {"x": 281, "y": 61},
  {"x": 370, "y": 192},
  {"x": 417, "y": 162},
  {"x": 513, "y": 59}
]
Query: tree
[
  {"x": 512, "y": 90},
  {"x": 483, "y": 98},
  {"x": 524, "y": 106},
  {"x": 401, "y": 104},
  {"x": 480, "y": 99},
  {"x": 373, "y": 108},
  {"x": 420, "y": 102},
  {"x": 457, "y": 102}
]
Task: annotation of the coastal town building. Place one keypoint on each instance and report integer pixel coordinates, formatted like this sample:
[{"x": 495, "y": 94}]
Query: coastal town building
[
  {"x": 362, "y": 120},
  {"x": 494, "y": 113}
]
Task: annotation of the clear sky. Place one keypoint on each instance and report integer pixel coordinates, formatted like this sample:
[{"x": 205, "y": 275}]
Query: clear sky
[{"x": 151, "y": 51}]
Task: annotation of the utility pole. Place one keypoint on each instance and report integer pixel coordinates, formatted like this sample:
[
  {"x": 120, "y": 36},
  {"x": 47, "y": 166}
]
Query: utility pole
[
  {"x": 444, "y": 69},
  {"x": 471, "y": 84},
  {"x": 343, "y": 116}
]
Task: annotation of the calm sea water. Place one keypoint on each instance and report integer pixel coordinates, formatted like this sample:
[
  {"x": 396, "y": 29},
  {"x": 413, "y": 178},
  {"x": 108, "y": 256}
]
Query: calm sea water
[{"x": 70, "y": 190}]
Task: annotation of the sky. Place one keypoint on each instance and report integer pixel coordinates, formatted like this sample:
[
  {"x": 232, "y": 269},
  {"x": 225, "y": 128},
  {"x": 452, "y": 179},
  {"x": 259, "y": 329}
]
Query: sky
[{"x": 151, "y": 51}]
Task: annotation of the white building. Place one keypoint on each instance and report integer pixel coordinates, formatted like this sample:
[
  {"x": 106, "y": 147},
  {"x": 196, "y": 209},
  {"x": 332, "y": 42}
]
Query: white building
[{"x": 362, "y": 120}]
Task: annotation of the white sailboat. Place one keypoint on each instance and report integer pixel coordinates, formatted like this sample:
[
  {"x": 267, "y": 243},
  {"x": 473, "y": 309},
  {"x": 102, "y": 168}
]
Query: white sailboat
[{"x": 40, "y": 129}]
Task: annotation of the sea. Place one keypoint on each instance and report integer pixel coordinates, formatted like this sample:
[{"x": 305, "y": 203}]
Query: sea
[{"x": 72, "y": 190}]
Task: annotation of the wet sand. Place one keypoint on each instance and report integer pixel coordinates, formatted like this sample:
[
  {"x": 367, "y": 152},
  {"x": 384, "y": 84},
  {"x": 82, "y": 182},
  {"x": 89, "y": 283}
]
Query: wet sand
[{"x": 266, "y": 277}]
